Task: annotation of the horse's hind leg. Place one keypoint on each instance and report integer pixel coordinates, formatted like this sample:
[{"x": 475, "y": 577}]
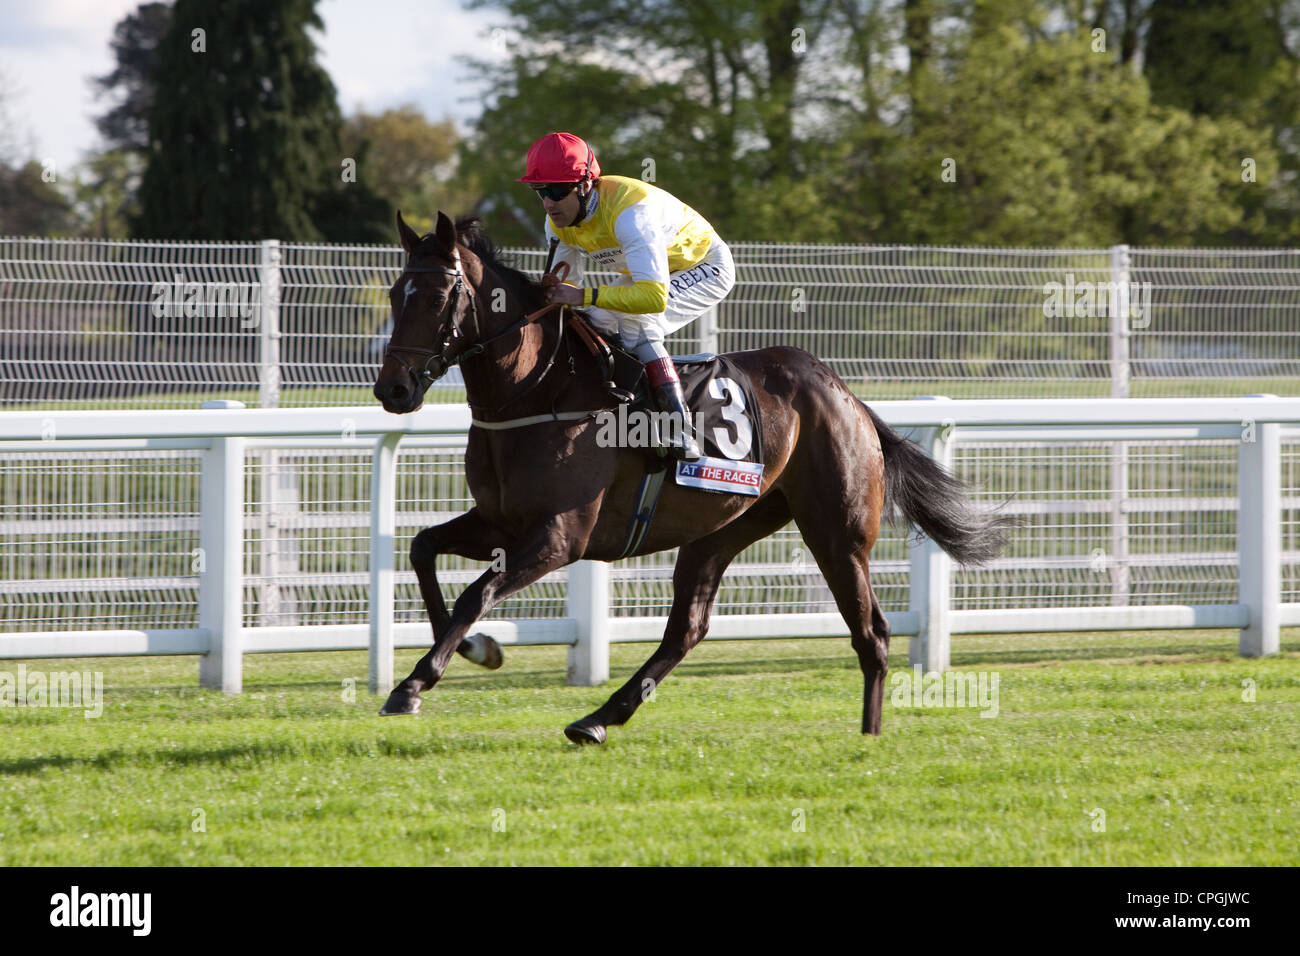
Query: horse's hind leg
[
  {"x": 696, "y": 577},
  {"x": 836, "y": 497},
  {"x": 873, "y": 658},
  {"x": 850, "y": 583}
]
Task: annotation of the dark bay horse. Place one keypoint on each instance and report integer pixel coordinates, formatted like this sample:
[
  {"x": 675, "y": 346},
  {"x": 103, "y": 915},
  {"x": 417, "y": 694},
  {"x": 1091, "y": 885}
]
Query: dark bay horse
[{"x": 548, "y": 494}]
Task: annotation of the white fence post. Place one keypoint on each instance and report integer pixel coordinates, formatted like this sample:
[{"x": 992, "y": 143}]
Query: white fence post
[
  {"x": 588, "y": 603},
  {"x": 221, "y": 560},
  {"x": 383, "y": 536},
  {"x": 268, "y": 376},
  {"x": 1259, "y": 534},
  {"x": 709, "y": 331},
  {"x": 276, "y": 606},
  {"x": 1118, "y": 306},
  {"x": 930, "y": 573}
]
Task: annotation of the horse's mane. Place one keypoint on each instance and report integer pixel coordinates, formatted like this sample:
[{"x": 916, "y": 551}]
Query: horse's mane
[{"x": 470, "y": 234}]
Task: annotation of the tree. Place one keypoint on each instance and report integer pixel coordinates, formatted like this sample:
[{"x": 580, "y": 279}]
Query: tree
[
  {"x": 135, "y": 42},
  {"x": 105, "y": 187},
  {"x": 706, "y": 99},
  {"x": 30, "y": 206},
  {"x": 244, "y": 132},
  {"x": 1237, "y": 58},
  {"x": 106, "y": 184},
  {"x": 409, "y": 161},
  {"x": 1049, "y": 144}
]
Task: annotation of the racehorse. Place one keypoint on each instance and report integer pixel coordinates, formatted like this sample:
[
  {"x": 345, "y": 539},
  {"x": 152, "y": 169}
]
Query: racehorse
[{"x": 548, "y": 494}]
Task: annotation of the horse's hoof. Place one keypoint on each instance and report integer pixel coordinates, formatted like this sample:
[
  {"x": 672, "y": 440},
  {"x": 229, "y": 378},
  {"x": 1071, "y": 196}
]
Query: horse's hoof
[
  {"x": 400, "y": 702},
  {"x": 491, "y": 651},
  {"x": 583, "y": 732}
]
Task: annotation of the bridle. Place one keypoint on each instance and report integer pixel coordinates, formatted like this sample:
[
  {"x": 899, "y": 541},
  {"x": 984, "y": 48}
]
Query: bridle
[{"x": 426, "y": 377}]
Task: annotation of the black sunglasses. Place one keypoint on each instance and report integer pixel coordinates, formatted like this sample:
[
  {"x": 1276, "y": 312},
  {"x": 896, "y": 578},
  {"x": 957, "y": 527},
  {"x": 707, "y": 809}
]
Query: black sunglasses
[{"x": 555, "y": 191}]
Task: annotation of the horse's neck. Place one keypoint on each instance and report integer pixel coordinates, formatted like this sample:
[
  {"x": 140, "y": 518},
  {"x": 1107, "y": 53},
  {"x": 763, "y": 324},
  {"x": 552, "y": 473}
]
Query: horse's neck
[{"x": 514, "y": 364}]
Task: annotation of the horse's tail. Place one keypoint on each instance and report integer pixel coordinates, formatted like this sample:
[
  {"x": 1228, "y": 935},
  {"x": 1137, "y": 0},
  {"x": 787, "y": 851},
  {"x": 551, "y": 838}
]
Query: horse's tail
[{"x": 917, "y": 487}]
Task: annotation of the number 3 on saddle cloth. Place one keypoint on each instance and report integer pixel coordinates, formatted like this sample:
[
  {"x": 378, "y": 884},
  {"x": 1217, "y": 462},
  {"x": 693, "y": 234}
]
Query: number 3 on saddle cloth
[{"x": 721, "y": 401}]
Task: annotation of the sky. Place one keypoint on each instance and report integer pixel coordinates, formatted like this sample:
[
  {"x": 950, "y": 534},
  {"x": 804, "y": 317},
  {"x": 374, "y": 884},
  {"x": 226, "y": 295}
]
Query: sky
[{"x": 379, "y": 53}]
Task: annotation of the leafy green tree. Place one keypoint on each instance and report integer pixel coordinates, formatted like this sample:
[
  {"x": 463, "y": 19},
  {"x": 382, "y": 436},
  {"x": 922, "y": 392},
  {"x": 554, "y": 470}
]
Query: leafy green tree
[
  {"x": 105, "y": 187},
  {"x": 831, "y": 121},
  {"x": 705, "y": 99},
  {"x": 30, "y": 206},
  {"x": 1045, "y": 142},
  {"x": 1229, "y": 59},
  {"x": 410, "y": 161}
]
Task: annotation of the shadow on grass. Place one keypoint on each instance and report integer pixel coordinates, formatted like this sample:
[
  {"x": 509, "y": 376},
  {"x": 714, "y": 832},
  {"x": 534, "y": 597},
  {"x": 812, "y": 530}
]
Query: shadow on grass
[
  {"x": 473, "y": 678},
  {"x": 256, "y": 753}
]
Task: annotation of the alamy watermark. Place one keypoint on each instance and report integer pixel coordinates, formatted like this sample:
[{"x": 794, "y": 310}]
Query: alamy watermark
[
  {"x": 1072, "y": 299},
  {"x": 949, "y": 689},
  {"x": 639, "y": 429},
  {"x": 70, "y": 689},
  {"x": 75, "y": 908},
  {"x": 179, "y": 299}
]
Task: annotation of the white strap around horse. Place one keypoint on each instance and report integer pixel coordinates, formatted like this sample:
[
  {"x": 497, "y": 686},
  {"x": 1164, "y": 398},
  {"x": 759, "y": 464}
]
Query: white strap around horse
[{"x": 535, "y": 420}]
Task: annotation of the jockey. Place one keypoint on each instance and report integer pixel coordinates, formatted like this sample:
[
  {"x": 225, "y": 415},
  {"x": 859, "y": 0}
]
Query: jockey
[{"x": 675, "y": 267}]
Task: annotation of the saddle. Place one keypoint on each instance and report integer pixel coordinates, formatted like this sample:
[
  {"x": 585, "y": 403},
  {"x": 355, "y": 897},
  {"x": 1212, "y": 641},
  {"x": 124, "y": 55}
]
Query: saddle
[{"x": 623, "y": 374}]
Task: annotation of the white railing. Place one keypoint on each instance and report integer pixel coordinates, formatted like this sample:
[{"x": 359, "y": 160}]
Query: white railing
[{"x": 1257, "y": 425}]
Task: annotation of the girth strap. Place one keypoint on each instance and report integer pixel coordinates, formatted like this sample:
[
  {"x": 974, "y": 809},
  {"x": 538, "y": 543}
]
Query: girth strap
[{"x": 535, "y": 420}]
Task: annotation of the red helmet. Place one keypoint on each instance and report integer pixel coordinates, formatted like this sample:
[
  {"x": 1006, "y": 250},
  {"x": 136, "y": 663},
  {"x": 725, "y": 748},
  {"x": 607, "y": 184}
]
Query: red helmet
[{"x": 560, "y": 158}]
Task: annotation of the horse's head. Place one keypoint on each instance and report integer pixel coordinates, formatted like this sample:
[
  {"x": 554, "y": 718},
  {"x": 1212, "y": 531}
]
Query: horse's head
[{"x": 434, "y": 317}]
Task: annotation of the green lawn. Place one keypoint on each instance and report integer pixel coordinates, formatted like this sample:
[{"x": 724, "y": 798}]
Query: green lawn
[{"x": 746, "y": 741}]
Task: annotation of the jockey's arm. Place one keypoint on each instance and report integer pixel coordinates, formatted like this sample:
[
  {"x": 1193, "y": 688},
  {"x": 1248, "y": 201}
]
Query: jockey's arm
[{"x": 646, "y": 256}]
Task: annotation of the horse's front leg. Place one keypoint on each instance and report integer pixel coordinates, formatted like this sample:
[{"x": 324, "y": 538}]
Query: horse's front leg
[
  {"x": 469, "y": 536},
  {"x": 547, "y": 548}
]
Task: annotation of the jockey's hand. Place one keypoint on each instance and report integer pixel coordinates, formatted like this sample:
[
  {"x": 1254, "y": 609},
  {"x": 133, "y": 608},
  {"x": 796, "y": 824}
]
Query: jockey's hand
[{"x": 564, "y": 294}]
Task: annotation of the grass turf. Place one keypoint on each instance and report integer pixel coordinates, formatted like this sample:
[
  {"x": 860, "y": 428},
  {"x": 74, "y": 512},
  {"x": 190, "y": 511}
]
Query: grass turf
[{"x": 749, "y": 754}]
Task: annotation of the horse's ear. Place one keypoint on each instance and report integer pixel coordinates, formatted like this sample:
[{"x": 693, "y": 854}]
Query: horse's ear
[
  {"x": 446, "y": 233},
  {"x": 406, "y": 234}
]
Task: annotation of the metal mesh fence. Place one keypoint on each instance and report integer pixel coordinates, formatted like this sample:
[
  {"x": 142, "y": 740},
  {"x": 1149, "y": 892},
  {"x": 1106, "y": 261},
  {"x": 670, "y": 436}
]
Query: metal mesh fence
[
  {"x": 110, "y": 324},
  {"x": 1217, "y": 315},
  {"x": 1121, "y": 523},
  {"x": 88, "y": 323},
  {"x": 1290, "y": 523}
]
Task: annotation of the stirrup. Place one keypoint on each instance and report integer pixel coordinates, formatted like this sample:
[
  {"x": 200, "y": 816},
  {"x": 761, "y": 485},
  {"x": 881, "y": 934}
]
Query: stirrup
[
  {"x": 688, "y": 449},
  {"x": 620, "y": 395}
]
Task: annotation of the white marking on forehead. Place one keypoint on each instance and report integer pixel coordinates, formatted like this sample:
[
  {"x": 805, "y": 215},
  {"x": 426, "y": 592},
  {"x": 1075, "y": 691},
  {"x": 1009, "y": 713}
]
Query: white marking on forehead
[{"x": 410, "y": 290}]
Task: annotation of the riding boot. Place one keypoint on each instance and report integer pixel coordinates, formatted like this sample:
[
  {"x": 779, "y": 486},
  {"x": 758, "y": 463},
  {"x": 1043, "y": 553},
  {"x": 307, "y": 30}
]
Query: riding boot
[{"x": 680, "y": 442}]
